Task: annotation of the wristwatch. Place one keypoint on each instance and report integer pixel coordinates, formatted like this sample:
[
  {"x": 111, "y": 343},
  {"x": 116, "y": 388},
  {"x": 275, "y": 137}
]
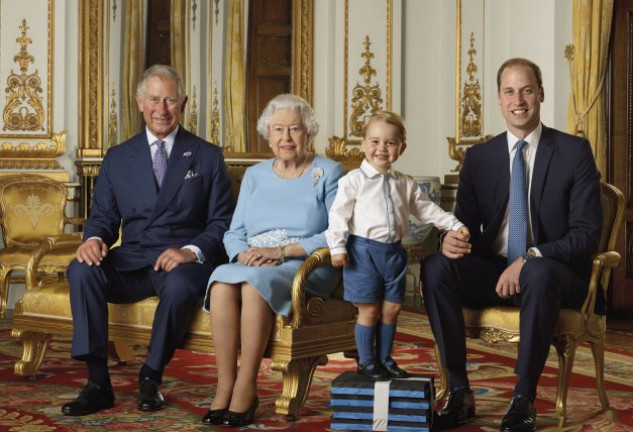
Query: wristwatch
[{"x": 529, "y": 255}]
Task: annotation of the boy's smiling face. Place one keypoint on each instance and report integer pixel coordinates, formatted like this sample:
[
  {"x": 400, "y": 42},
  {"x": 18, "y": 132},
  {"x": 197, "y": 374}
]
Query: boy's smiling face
[{"x": 382, "y": 145}]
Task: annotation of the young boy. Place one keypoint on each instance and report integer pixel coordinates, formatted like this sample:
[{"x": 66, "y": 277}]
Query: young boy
[{"x": 369, "y": 217}]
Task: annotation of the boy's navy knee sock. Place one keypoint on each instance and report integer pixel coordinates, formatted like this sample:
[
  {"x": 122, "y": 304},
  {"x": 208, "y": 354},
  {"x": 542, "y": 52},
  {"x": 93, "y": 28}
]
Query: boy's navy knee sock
[
  {"x": 385, "y": 334},
  {"x": 364, "y": 343}
]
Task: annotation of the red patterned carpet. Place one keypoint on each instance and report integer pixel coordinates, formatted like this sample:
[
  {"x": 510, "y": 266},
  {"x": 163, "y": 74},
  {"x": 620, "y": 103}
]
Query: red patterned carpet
[{"x": 30, "y": 406}]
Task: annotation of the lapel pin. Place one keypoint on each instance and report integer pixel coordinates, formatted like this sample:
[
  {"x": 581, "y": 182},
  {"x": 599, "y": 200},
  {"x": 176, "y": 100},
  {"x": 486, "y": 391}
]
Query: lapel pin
[{"x": 186, "y": 154}]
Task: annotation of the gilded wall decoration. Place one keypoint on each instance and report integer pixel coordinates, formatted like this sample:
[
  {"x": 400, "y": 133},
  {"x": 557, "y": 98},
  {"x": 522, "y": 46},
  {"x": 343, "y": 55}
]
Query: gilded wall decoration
[
  {"x": 113, "y": 122},
  {"x": 366, "y": 98},
  {"x": 469, "y": 121},
  {"x": 28, "y": 156},
  {"x": 215, "y": 117},
  {"x": 24, "y": 110},
  {"x": 192, "y": 126}
]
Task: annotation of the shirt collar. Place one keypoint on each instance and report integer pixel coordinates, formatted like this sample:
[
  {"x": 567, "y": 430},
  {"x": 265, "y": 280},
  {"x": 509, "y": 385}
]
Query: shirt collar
[
  {"x": 532, "y": 139},
  {"x": 372, "y": 172},
  {"x": 169, "y": 139}
]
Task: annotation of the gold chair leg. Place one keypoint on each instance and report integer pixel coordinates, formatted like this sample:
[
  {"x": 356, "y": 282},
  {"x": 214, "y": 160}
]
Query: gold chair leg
[
  {"x": 597, "y": 348},
  {"x": 5, "y": 279},
  {"x": 443, "y": 373},
  {"x": 297, "y": 378},
  {"x": 34, "y": 347},
  {"x": 120, "y": 352},
  {"x": 566, "y": 350}
]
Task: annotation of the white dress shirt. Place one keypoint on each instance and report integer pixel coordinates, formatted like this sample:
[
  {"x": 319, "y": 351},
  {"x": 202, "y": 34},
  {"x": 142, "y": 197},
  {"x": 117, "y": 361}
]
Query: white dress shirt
[
  {"x": 500, "y": 245},
  {"x": 377, "y": 206}
]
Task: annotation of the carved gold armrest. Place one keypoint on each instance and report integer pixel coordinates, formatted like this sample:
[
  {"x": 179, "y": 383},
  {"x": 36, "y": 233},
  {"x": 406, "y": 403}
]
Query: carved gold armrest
[
  {"x": 600, "y": 272},
  {"x": 318, "y": 258},
  {"x": 61, "y": 243},
  {"x": 77, "y": 221}
]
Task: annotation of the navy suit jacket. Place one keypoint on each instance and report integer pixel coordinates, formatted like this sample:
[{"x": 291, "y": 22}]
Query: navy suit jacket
[
  {"x": 193, "y": 205},
  {"x": 565, "y": 201}
]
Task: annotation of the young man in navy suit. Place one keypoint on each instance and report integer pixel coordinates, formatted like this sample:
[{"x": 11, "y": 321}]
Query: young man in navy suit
[
  {"x": 558, "y": 236},
  {"x": 169, "y": 193}
]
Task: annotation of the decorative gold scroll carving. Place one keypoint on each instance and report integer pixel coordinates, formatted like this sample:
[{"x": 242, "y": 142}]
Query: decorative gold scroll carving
[
  {"x": 25, "y": 155},
  {"x": 366, "y": 98},
  {"x": 113, "y": 134},
  {"x": 346, "y": 152},
  {"x": 193, "y": 114},
  {"x": 468, "y": 112},
  {"x": 24, "y": 110},
  {"x": 114, "y": 10},
  {"x": 215, "y": 117},
  {"x": 471, "y": 123}
]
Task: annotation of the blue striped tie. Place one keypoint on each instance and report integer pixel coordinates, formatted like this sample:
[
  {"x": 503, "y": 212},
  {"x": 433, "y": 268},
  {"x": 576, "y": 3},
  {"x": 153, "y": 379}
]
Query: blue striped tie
[
  {"x": 160, "y": 162},
  {"x": 518, "y": 219}
]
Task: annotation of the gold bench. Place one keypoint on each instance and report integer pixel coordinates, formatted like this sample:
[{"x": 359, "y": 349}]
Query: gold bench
[{"x": 299, "y": 343}]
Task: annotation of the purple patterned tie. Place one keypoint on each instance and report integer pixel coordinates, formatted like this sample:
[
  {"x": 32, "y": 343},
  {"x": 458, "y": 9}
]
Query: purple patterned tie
[{"x": 160, "y": 162}]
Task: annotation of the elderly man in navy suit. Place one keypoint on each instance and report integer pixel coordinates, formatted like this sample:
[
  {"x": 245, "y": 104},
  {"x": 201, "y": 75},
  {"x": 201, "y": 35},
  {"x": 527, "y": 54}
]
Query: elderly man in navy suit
[
  {"x": 169, "y": 193},
  {"x": 531, "y": 200}
]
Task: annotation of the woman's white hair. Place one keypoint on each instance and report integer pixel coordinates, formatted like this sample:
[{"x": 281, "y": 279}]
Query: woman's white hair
[{"x": 290, "y": 102}]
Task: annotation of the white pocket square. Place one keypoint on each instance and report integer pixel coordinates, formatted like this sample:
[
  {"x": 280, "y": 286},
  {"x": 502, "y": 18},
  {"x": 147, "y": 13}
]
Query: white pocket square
[{"x": 191, "y": 174}]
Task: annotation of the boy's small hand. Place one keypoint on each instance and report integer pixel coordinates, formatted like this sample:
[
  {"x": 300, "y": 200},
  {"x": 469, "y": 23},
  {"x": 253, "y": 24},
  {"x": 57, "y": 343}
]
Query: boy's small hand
[{"x": 340, "y": 260}]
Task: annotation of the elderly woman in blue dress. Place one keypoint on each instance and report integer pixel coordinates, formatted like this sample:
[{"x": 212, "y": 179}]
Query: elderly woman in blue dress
[{"x": 280, "y": 218}]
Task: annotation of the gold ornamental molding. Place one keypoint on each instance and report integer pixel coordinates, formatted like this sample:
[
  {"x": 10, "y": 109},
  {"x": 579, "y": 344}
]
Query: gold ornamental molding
[
  {"x": 25, "y": 113},
  {"x": 193, "y": 114},
  {"x": 24, "y": 110},
  {"x": 469, "y": 121},
  {"x": 215, "y": 117},
  {"x": 91, "y": 72},
  {"x": 366, "y": 98},
  {"x": 303, "y": 49},
  {"x": 113, "y": 121},
  {"x": 27, "y": 156}
]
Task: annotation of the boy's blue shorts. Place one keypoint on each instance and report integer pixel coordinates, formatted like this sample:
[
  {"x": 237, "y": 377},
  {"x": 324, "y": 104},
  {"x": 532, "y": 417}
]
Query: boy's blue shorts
[{"x": 377, "y": 271}]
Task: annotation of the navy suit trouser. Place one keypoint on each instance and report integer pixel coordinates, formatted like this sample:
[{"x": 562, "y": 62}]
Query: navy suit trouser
[
  {"x": 546, "y": 287},
  {"x": 93, "y": 287}
]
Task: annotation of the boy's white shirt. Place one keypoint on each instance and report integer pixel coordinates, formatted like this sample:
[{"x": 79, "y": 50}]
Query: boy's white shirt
[{"x": 377, "y": 206}]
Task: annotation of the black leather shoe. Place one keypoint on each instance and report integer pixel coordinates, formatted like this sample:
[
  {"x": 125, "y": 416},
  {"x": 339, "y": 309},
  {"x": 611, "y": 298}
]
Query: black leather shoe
[
  {"x": 92, "y": 398},
  {"x": 458, "y": 410},
  {"x": 149, "y": 396},
  {"x": 235, "y": 419},
  {"x": 521, "y": 415},
  {"x": 392, "y": 367},
  {"x": 372, "y": 370},
  {"x": 214, "y": 417}
]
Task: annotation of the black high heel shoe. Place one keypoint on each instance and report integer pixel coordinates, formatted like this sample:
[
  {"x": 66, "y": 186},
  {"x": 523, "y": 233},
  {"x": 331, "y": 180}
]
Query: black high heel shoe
[
  {"x": 235, "y": 419},
  {"x": 214, "y": 417}
]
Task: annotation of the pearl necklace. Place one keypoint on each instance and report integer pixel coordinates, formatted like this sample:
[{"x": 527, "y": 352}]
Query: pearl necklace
[{"x": 280, "y": 169}]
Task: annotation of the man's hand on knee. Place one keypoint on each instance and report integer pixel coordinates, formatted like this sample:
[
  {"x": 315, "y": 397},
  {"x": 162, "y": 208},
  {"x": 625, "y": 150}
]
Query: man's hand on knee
[{"x": 92, "y": 251}]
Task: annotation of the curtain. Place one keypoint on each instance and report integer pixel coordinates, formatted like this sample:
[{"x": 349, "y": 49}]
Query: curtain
[
  {"x": 235, "y": 86},
  {"x": 133, "y": 61},
  {"x": 178, "y": 48},
  {"x": 591, "y": 24}
]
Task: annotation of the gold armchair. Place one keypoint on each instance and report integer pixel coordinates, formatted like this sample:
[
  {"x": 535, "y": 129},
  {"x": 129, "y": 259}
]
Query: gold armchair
[
  {"x": 31, "y": 209},
  {"x": 501, "y": 324}
]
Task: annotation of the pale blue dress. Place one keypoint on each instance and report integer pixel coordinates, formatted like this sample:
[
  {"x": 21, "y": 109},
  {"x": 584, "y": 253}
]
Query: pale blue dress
[{"x": 271, "y": 212}]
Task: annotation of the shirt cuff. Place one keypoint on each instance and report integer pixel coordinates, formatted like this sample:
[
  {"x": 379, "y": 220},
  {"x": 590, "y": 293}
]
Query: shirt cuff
[
  {"x": 338, "y": 250},
  {"x": 196, "y": 250}
]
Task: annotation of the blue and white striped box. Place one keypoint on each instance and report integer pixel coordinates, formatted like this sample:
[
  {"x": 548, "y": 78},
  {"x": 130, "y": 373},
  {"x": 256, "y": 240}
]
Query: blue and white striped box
[{"x": 361, "y": 404}]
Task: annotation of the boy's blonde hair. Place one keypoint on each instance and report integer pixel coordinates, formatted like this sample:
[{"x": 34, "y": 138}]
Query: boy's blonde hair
[{"x": 389, "y": 118}]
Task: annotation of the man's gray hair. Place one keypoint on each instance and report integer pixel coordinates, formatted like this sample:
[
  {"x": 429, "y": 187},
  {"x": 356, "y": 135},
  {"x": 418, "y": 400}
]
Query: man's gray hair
[{"x": 161, "y": 71}]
